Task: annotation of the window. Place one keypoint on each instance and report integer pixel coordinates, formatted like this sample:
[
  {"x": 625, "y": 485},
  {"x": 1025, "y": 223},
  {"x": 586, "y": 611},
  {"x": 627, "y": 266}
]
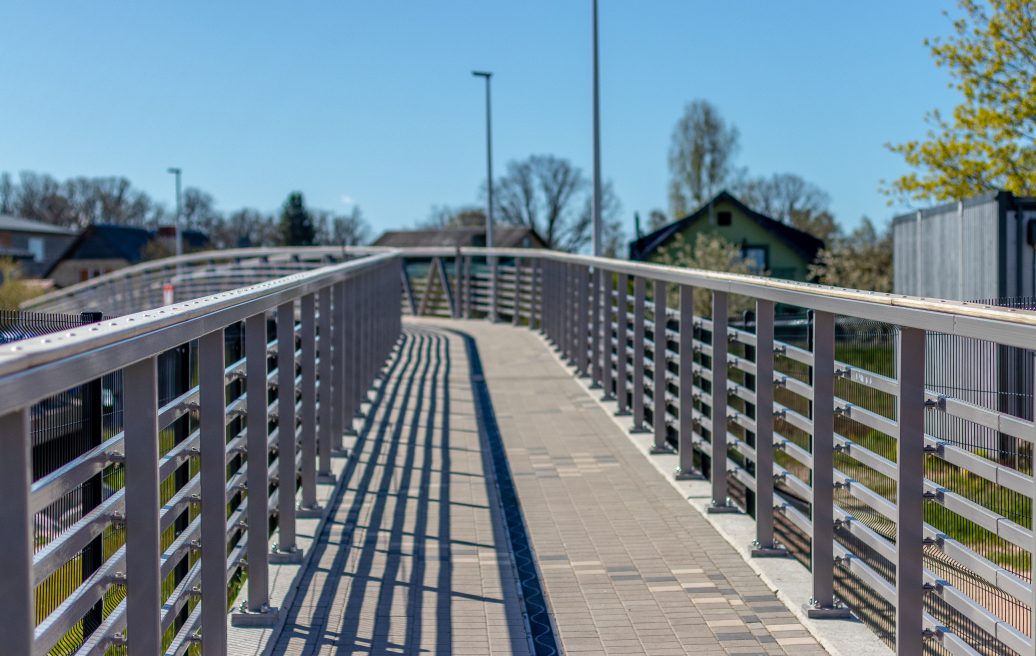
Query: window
[
  {"x": 757, "y": 256},
  {"x": 723, "y": 218},
  {"x": 36, "y": 248}
]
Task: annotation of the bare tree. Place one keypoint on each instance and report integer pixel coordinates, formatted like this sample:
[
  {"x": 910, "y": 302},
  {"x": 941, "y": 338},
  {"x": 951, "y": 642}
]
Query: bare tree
[
  {"x": 7, "y": 194},
  {"x": 790, "y": 199},
  {"x": 348, "y": 229},
  {"x": 442, "y": 216},
  {"x": 552, "y": 196},
  {"x": 656, "y": 219},
  {"x": 245, "y": 228},
  {"x": 79, "y": 201},
  {"x": 700, "y": 156}
]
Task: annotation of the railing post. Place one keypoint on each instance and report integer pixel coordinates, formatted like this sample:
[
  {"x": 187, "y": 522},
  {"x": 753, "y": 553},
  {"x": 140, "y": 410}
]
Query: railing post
[
  {"x": 257, "y": 610},
  {"x": 458, "y": 286},
  {"x": 143, "y": 544},
  {"x": 621, "y": 321},
  {"x": 764, "y": 545},
  {"x": 309, "y": 506},
  {"x": 536, "y": 298},
  {"x": 92, "y": 490},
  {"x": 516, "y": 308},
  {"x": 639, "y": 378},
  {"x": 822, "y": 603},
  {"x": 720, "y": 502},
  {"x": 326, "y": 400},
  {"x": 685, "y": 439},
  {"x": 539, "y": 295},
  {"x": 213, "y": 437},
  {"x": 465, "y": 264},
  {"x": 659, "y": 365},
  {"x": 596, "y": 339},
  {"x": 493, "y": 274},
  {"x": 17, "y": 592},
  {"x": 566, "y": 307},
  {"x": 338, "y": 367},
  {"x": 910, "y": 455},
  {"x": 287, "y": 551},
  {"x": 349, "y": 356},
  {"x": 583, "y": 303},
  {"x": 606, "y": 334}
]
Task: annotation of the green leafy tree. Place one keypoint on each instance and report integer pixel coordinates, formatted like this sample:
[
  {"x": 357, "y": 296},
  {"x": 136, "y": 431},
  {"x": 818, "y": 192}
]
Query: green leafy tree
[
  {"x": 863, "y": 260},
  {"x": 297, "y": 227},
  {"x": 701, "y": 156},
  {"x": 710, "y": 252},
  {"x": 989, "y": 142}
]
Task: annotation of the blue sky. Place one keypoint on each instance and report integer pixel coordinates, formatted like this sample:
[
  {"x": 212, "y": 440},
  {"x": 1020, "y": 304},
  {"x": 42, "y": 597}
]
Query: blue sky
[{"x": 373, "y": 102}]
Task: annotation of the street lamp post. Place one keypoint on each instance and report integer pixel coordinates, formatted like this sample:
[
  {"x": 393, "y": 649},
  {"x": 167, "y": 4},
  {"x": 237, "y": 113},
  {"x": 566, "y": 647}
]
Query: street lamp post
[
  {"x": 491, "y": 259},
  {"x": 179, "y": 212},
  {"x": 596, "y": 202}
]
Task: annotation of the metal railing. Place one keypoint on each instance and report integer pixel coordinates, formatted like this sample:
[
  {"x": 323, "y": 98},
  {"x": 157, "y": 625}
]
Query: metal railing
[
  {"x": 873, "y": 478},
  {"x": 185, "y": 518},
  {"x": 149, "y": 284},
  {"x": 849, "y": 461}
]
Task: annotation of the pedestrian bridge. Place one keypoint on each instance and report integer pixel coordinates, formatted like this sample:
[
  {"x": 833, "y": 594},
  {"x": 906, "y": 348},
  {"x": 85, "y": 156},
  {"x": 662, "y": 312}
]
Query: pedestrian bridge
[{"x": 513, "y": 451}]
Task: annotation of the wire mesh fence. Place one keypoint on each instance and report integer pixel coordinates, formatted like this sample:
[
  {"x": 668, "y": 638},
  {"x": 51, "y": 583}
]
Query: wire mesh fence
[{"x": 68, "y": 425}]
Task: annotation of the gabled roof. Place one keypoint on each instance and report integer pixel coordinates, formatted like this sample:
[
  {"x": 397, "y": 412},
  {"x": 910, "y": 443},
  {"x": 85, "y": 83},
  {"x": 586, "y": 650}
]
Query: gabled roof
[
  {"x": 103, "y": 241},
  {"x": 803, "y": 243},
  {"x": 10, "y": 223},
  {"x": 503, "y": 237}
]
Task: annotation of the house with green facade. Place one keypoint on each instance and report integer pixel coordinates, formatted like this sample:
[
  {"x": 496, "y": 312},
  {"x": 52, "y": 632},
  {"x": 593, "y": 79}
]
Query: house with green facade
[{"x": 772, "y": 246}]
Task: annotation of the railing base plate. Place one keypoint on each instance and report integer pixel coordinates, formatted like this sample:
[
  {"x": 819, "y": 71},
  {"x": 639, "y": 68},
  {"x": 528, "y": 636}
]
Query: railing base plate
[
  {"x": 293, "y": 557},
  {"x": 722, "y": 509},
  {"x": 311, "y": 512},
  {"x": 661, "y": 450},
  {"x": 770, "y": 552},
  {"x": 267, "y": 617},
  {"x": 689, "y": 475},
  {"x": 826, "y": 612}
]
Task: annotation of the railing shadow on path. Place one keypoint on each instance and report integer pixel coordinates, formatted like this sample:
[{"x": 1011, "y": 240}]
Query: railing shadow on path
[{"x": 406, "y": 425}]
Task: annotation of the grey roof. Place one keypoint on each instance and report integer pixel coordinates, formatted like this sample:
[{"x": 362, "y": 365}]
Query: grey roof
[
  {"x": 18, "y": 224},
  {"x": 503, "y": 237}
]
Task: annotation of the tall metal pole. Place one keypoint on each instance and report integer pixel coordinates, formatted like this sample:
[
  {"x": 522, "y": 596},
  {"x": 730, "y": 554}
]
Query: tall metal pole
[
  {"x": 596, "y": 203},
  {"x": 491, "y": 259},
  {"x": 179, "y": 211}
]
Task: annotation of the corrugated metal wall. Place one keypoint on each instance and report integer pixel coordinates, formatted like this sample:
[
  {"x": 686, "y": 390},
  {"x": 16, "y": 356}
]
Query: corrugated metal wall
[{"x": 942, "y": 256}]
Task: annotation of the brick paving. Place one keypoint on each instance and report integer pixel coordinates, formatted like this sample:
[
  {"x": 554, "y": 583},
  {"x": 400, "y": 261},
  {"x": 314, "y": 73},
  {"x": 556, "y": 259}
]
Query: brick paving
[{"x": 416, "y": 559}]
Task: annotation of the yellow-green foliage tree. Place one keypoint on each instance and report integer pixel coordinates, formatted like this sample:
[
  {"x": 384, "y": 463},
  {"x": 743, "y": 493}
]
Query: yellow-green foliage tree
[
  {"x": 863, "y": 260},
  {"x": 13, "y": 289},
  {"x": 710, "y": 252},
  {"x": 990, "y": 140}
]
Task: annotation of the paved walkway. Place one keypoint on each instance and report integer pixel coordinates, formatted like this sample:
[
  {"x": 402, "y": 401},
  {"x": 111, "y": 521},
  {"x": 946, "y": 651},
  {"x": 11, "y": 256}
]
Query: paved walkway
[{"x": 419, "y": 556}]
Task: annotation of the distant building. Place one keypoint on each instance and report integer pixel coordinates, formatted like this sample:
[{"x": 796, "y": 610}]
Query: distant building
[
  {"x": 101, "y": 248},
  {"x": 980, "y": 248},
  {"x": 32, "y": 244},
  {"x": 768, "y": 244},
  {"x": 504, "y": 236}
]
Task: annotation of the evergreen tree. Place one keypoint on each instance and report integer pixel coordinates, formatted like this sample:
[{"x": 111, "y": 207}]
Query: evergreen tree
[{"x": 297, "y": 228}]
